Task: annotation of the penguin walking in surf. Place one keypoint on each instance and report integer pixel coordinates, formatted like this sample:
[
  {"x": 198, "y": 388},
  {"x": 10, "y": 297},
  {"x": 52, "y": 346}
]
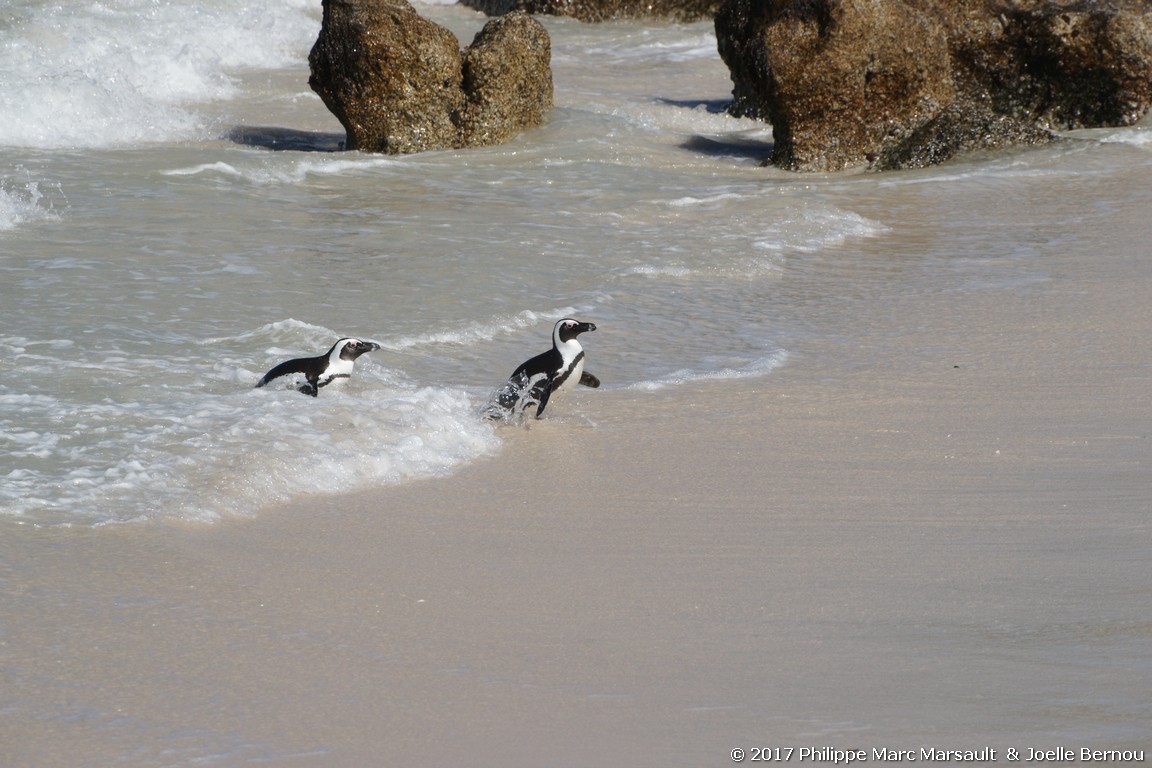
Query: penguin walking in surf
[
  {"x": 322, "y": 370},
  {"x": 537, "y": 380}
]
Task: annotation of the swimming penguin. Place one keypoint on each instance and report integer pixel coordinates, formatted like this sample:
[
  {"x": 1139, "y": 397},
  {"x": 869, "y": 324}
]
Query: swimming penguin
[
  {"x": 538, "y": 379},
  {"x": 322, "y": 370}
]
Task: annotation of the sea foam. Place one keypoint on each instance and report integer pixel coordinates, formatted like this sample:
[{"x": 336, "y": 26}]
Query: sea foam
[
  {"x": 22, "y": 202},
  {"x": 125, "y": 72},
  {"x": 754, "y": 368},
  {"x": 182, "y": 434}
]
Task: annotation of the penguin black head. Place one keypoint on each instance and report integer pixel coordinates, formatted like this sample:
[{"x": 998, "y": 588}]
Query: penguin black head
[
  {"x": 568, "y": 329},
  {"x": 350, "y": 349}
]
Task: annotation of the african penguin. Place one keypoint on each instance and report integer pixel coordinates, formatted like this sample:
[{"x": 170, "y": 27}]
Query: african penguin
[
  {"x": 547, "y": 374},
  {"x": 322, "y": 370}
]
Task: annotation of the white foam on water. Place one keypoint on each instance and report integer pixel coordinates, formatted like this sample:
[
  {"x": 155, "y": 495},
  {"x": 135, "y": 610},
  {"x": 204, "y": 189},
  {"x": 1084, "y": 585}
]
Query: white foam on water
[
  {"x": 127, "y": 72},
  {"x": 188, "y": 437},
  {"x": 811, "y": 228},
  {"x": 470, "y": 333},
  {"x": 1137, "y": 136},
  {"x": 746, "y": 245},
  {"x": 265, "y": 170},
  {"x": 754, "y": 368},
  {"x": 663, "y": 43},
  {"x": 660, "y": 270},
  {"x": 22, "y": 202},
  {"x": 692, "y": 201}
]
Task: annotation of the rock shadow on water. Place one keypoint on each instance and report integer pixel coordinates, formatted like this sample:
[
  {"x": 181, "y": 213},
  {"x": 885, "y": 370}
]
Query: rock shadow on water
[
  {"x": 727, "y": 146},
  {"x": 287, "y": 139},
  {"x": 732, "y": 147}
]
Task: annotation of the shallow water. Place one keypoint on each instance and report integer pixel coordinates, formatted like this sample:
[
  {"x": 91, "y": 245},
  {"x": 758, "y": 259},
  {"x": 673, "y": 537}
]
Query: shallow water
[{"x": 159, "y": 252}]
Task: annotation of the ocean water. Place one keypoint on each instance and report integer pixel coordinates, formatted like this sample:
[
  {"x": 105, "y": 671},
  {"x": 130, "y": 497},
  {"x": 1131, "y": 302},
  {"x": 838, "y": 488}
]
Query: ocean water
[{"x": 176, "y": 217}]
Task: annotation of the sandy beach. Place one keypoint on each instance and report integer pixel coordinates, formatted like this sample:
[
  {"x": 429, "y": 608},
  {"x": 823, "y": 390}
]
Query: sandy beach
[
  {"x": 870, "y": 468},
  {"x": 945, "y": 549}
]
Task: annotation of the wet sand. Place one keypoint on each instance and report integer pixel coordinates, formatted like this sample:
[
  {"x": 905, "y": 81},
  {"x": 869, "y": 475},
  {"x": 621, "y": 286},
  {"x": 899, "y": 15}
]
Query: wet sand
[{"x": 947, "y": 548}]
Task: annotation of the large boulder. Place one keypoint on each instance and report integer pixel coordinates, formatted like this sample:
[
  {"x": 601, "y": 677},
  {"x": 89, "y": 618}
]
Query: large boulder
[
  {"x": 399, "y": 83},
  {"x": 839, "y": 79},
  {"x": 1060, "y": 64},
  {"x": 507, "y": 80},
  {"x": 907, "y": 83},
  {"x": 603, "y": 10}
]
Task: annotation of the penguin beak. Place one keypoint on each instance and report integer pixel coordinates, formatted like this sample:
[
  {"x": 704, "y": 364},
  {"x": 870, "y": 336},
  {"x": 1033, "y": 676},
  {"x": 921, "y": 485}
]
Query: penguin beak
[
  {"x": 585, "y": 327},
  {"x": 366, "y": 346}
]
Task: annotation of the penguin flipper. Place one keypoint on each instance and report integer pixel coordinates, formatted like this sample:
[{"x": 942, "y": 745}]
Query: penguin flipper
[
  {"x": 545, "y": 393},
  {"x": 589, "y": 380},
  {"x": 289, "y": 366}
]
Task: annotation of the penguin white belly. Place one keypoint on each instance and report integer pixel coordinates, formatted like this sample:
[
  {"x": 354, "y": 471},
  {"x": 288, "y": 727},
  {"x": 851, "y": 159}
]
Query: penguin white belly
[
  {"x": 573, "y": 378},
  {"x": 337, "y": 370}
]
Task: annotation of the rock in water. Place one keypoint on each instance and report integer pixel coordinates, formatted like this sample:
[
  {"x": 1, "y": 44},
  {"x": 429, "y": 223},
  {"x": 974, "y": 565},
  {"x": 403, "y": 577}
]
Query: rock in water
[
  {"x": 390, "y": 76},
  {"x": 507, "y": 80},
  {"x": 906, "y": 83},
  {"x": 399, "y": 83},
  {"x": 838, "y": 80}
]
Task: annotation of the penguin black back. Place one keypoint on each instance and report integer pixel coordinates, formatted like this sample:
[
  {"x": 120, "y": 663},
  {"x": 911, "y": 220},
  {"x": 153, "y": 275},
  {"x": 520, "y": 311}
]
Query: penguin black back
[{"x": 319, "y": 371}]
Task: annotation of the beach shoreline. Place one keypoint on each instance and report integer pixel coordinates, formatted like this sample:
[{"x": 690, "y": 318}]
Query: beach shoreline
[
  {"x": 869, "y": 468},
  {"x": 824, "y": 556}
]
